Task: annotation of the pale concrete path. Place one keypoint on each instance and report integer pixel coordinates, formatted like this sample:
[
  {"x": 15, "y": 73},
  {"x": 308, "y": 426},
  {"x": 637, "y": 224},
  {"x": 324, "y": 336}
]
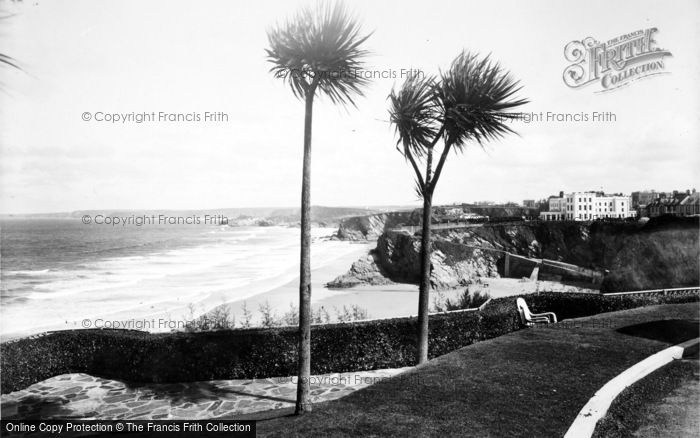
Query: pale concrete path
[
  {"x": 87, "y": 397},
  {"x": 677, "y": 415}
]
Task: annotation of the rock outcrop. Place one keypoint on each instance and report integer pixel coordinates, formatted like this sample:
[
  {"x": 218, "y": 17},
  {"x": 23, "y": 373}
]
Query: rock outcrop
[
  {"x": 396, "y": 259},
  {"x": 366, "y": 271}
]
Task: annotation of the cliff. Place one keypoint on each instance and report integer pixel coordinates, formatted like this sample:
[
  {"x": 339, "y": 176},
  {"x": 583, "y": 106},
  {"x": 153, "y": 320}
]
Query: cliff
[
  {"x": 372, "y": 226},
  {"x": 661, "y": 253},
  {"x": 320, "y": 216},
  {"x": 396, "y": 259},
  {"x": 497, "y": 211}
]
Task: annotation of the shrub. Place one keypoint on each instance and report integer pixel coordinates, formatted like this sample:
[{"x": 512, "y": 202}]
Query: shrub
[
  {"x": 466, "y": 300},
  {"x": 354, "y": 313},
  {"x": 220, "y": 318},
  {"x": 269, "y": 318},
  {"x": 247, "y": 316},
  {"x": 252, "y": 353}
]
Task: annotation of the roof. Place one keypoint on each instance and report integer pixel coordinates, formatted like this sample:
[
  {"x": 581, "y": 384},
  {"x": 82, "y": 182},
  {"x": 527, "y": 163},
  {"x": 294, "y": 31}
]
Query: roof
[
  {"x": 670, "y": 202},
  {"x": 693, "y": 199}
]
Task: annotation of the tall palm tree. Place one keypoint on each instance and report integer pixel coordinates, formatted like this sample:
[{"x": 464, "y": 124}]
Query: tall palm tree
[
  {"x": 319, "y": 50},
  {"x": 469, "y": 102}
]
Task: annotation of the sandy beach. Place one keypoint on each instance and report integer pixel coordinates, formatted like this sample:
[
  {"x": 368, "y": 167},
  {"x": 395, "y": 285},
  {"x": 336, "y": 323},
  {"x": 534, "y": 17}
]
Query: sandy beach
[
  {"x": 274, "y": 286},
  {"x": 385, "y": 301}
]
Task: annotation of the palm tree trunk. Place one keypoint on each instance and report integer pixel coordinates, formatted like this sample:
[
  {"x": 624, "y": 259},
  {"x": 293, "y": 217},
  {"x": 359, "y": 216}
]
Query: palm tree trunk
[
  {"x": 303, "y": 403},
  {"x": 424, "y": 291}
]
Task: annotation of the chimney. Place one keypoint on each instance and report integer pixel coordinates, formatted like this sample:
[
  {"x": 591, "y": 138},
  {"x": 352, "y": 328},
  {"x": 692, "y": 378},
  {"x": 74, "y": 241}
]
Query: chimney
[{"x": 561, "y": 194}]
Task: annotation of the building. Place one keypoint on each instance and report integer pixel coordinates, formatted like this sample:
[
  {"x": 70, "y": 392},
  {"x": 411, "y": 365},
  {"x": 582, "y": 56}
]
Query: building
[
  {"x": 690, "y": 205},
  {"x": 677, "y": 204},
  {"x": 552, "y": 215},
  {"x": 529, "y": 203},
  {"x": 586, "y": 206},
  {"x": 453, "y": 211},
  {"x": 643, "y": 198},
  {"x": 556, "y": 203}
]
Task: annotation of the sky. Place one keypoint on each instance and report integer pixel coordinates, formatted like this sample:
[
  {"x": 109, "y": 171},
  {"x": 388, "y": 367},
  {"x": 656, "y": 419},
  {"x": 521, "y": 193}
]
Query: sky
[{"x": 113, "y": 56}]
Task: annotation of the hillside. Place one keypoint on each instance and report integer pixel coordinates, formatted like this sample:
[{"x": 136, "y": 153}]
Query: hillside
[
  {"x": 370, "y": 227},
  {"x": 661, "y": 253}
]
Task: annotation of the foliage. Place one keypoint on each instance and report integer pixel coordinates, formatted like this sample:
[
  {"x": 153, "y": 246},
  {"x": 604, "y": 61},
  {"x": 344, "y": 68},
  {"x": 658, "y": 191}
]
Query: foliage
[
  {"x": 320, "y": 48},
  {"x": 247, "y": 316},
  {"x": 220, "y": 318},
  {"x": 470, "y": 101},
  {"x": 466, "y": 300},
  {"x": 354, "y": 313},
  {"x": 252, "y": 353}
]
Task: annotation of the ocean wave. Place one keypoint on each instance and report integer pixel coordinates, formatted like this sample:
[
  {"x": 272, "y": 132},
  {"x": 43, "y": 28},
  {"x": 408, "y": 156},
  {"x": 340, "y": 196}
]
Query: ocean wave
[
  {"x": 229, "y": 266},
  {"x": 28, "y": 273}
]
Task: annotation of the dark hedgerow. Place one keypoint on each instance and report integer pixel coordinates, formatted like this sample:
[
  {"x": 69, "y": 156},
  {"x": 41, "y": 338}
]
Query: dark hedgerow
[{"x": 136, "y": 356}]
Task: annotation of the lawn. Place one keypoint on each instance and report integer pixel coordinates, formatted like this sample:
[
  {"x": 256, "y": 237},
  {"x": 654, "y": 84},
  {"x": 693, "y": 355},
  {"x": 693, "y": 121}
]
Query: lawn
[
  {"x": 658, "y": 405},
  {"x": 527, "y": 383}
]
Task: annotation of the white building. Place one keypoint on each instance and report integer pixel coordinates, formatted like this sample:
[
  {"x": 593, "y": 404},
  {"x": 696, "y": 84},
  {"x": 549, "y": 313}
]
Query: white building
[
  {"x": 586, "y": 206},
  {"x": 557, "y": 204}
]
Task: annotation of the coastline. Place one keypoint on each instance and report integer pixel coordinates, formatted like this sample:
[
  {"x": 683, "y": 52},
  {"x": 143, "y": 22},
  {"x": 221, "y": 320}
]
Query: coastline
[
  {"x": 279, "y": 290},
  {"x": 279, "y": 286}
]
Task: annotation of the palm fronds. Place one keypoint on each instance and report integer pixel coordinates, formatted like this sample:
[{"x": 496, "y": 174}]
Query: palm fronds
[
  {"x": 468, "y": 102},
  {"x": 475, "y": 97},
  {"x": 414, "y": 112},
  {"x": 320, "y": 49},
  {"x": 4, "y": 59}
]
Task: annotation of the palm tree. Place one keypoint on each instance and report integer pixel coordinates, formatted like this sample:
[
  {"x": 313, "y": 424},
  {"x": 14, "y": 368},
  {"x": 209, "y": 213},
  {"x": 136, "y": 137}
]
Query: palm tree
[
  {"x": 317, "y": 51},
  {"x": 6, "y": 60},
  {"x": 469, "y": 102}
]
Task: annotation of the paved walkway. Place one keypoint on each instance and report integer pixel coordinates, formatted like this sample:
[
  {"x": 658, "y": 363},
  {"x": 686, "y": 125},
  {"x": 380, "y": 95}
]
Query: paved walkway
[
  {"x": 676, "y": 415},
  {"x": 88, "y": 397}
]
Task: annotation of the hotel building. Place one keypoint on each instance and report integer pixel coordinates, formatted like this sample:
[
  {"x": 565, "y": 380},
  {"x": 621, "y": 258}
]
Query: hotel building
[{"x": 586, "y": 206}]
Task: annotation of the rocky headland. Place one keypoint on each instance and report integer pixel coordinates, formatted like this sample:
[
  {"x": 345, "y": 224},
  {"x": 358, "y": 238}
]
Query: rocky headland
[{"x": 658, "y": 253}]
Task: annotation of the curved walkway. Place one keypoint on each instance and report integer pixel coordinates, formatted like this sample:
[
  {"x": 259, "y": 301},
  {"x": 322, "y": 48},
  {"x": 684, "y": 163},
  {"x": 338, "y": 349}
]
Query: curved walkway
[
  {"x": 87, "y": 397},
  {"x": 676, "y": 415}
]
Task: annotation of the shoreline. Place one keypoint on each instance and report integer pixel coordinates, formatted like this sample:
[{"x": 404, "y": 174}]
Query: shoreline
[
  {"x": 280, "y": 291},
  {"x": 330, "y": 258}
]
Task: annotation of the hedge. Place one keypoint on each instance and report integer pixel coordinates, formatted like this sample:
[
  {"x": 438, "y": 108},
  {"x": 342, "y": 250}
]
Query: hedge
[{"x": 142, "y": 357}]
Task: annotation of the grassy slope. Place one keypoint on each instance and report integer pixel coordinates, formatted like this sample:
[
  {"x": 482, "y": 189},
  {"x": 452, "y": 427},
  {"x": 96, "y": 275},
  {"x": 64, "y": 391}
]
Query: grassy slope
[
  {"x": 644, "y": 405},
  {"x": 527, "y": 383}
]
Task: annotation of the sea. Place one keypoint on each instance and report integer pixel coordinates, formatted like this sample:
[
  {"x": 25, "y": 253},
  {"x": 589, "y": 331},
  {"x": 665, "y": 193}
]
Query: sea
[{"x": 56, "y": 273}]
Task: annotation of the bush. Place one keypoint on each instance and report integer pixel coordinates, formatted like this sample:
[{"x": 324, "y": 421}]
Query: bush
[
  {"x": 467, "y": 300},
  {"x": 575, "y": 305},
  {"x": 252, "y": 353}
]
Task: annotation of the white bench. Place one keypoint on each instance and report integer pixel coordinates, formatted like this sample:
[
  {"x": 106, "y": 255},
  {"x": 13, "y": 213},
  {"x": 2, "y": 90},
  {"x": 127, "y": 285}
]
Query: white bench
[{"x": 530, "y": 319}]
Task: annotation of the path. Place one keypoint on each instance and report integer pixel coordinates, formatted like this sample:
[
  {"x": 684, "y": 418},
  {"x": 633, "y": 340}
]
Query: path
[
  {"x": 88, "y": 397},
  {"x": 676, "y": 415}
]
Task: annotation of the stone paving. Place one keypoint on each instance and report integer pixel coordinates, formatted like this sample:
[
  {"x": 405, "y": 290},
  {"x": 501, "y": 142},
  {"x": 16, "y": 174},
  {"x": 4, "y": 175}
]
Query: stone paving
[{"x": 88, "y": 397}]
